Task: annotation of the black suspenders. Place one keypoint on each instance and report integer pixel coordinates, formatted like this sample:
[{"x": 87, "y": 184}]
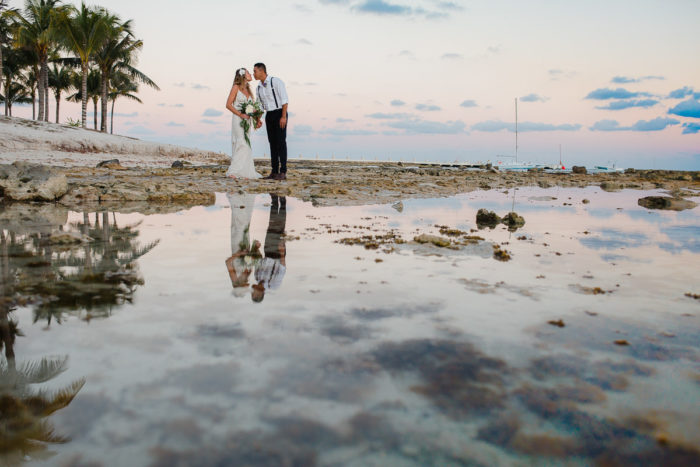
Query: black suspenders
[{"x": 273, "y": 91}]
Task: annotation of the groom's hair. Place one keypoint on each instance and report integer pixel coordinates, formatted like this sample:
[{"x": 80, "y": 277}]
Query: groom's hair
[{"x": 261, "y": 66}]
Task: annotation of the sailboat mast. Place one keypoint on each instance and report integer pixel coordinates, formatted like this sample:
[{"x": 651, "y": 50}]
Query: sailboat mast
[{"x": 516, "y": 129}]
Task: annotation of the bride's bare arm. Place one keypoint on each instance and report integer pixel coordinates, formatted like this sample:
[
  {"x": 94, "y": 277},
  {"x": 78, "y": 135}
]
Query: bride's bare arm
[{"x": 229, "y": 102}]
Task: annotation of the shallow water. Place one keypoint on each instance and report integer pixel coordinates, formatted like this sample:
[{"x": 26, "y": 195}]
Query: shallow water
[{"x": 401, "y": 355}]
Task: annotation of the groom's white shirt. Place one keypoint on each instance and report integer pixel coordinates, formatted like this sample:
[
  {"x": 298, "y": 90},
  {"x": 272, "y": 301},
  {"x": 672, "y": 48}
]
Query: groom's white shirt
[{"x": 265, "y": 93}]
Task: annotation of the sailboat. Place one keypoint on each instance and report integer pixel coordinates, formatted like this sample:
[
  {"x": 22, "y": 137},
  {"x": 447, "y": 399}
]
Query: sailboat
[{"x": 515, "y": 165}]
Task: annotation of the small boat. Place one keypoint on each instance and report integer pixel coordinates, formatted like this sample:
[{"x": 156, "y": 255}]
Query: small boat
[{"x": 607, "y": 169}]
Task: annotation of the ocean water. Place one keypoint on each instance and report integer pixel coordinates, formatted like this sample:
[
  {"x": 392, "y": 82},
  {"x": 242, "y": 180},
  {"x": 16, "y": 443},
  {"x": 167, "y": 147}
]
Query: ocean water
[{"x": 261, "y": 331}]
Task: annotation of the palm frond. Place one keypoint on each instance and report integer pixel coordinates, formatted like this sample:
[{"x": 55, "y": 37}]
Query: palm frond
[{"x": 42, "y": 370}]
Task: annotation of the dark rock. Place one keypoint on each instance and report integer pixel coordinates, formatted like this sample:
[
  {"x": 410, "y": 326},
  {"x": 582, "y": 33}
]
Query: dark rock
[
  {"x": 665, "y": 202},
  {"x": 177, "y": 165},
  {"x": 579, "y": 169},
  {"x": 107, "y": 163},
  {"x": 486, "y": 218},
  {"x": 513, "y": 221}
]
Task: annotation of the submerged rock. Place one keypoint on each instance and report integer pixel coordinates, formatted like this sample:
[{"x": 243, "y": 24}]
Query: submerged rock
[
  {"x": 31, "y": 182},
  {"x": 666, "y": 202},
  {"x": 434, "y": 239},
  {"x": 611, "y": 186},
  {"x": 485, "y": 218},
  {"x": 398, "y": 206}
]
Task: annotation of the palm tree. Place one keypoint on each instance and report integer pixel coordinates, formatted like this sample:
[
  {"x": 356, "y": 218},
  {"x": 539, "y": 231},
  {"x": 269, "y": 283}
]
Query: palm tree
[
  {"x": 120, "y": 46},
  {"x": 85, "y": 31},
  {"x": 5, "y": 25},
  {"x": 122, "y": 86},
  {"x": 38, "y": 30},
  {"x": 92, "y": 86},
  {"x": 60, "y": 80},
  {"x": 30, "y": 79},
  {"x": 15, "y": 60},
  {"x": 16, "y": 93}
]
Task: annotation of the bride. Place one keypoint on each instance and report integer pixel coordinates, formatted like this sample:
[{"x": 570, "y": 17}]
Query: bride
[{"x": 242, "y": 165}]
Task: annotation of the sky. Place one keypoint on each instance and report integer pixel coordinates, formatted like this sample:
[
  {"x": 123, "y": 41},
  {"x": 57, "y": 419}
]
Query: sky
[{"x": 610, "y": 82}]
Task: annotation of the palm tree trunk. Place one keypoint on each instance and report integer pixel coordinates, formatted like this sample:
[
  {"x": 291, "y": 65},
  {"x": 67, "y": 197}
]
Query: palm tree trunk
[
  {"x": 1, "y": 76},
  {"x": 94, "y": 113},
  {"x": 83, "y": 94},
  {"x": 103, "y": 116},
  {"x": 58, "y": 105},
  {"x": 47, "y": 101},
  {"x": 111, "y": 119},
  {"x": 41, "y": 87},
  {"x": 7, "y": 86}
]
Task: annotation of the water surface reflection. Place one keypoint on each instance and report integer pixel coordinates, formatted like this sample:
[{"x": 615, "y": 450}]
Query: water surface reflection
[{"x": 400, "y": 355}]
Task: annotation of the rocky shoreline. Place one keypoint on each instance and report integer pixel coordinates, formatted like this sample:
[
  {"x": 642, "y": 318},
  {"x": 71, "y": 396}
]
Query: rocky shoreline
[
  {"x": 45, "y": 162},
  {"x": 324, "y": 183}
]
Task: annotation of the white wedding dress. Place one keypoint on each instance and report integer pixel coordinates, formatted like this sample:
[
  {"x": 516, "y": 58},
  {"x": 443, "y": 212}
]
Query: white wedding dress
[{"x": 242, "y": 165}]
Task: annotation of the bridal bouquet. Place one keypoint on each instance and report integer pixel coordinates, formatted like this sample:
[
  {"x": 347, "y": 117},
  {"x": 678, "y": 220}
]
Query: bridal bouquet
[{"x": 255, "y": 111}]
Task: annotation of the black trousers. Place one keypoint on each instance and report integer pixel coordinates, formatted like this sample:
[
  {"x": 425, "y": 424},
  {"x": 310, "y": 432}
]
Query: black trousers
[
  {"x": 276, "y": 226},
  {"x": 278, "y": 141}
]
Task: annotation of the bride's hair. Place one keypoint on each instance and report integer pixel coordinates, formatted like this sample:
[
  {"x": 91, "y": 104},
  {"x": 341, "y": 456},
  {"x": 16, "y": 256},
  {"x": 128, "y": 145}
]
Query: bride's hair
[{"x": 241, "y": 81}]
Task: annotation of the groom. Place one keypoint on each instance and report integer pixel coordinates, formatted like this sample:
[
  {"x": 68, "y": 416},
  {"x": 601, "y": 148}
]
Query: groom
[{"x": 273, "y": 96}]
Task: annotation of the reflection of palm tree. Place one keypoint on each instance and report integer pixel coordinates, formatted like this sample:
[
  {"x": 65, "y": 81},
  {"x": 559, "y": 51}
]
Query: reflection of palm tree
[
  {"x": 23, "y": 428},
  {"x": 23, "y": 409},
  {"x": 88, "y": 279},
  {"x": 104, "y": 275}
]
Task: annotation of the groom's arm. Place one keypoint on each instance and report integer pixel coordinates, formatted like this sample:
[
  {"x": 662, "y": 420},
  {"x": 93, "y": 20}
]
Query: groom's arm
[
  {"x": 257, "y": 91},
  {"x": 282, "y": 91},
  {"x": 283, "y": 119}
]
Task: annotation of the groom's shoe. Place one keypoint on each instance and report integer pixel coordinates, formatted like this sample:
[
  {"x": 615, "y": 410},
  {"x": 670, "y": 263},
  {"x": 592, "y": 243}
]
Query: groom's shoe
[
  {"x": 281, "y": 176},
  {"x": 272, "y": 176}
]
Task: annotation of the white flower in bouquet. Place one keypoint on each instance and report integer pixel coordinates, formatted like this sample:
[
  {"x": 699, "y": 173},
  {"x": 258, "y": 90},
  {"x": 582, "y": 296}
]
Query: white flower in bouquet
[{"x": 250, "y": 109}]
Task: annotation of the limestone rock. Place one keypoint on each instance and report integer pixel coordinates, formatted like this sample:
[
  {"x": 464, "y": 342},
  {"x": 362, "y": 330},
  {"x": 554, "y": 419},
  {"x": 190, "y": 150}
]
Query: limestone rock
[
  {"x": 82, "y": 194},
  {"x": 31, "y": 182}
]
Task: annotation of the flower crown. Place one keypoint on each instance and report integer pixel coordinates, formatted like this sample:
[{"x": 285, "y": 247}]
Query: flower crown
[{"x": 241, "y": 72}]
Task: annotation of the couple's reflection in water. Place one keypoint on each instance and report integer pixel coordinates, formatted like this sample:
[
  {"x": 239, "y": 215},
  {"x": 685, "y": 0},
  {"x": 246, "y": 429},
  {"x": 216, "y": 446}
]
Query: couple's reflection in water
[{"x": 251, "y": 269}]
